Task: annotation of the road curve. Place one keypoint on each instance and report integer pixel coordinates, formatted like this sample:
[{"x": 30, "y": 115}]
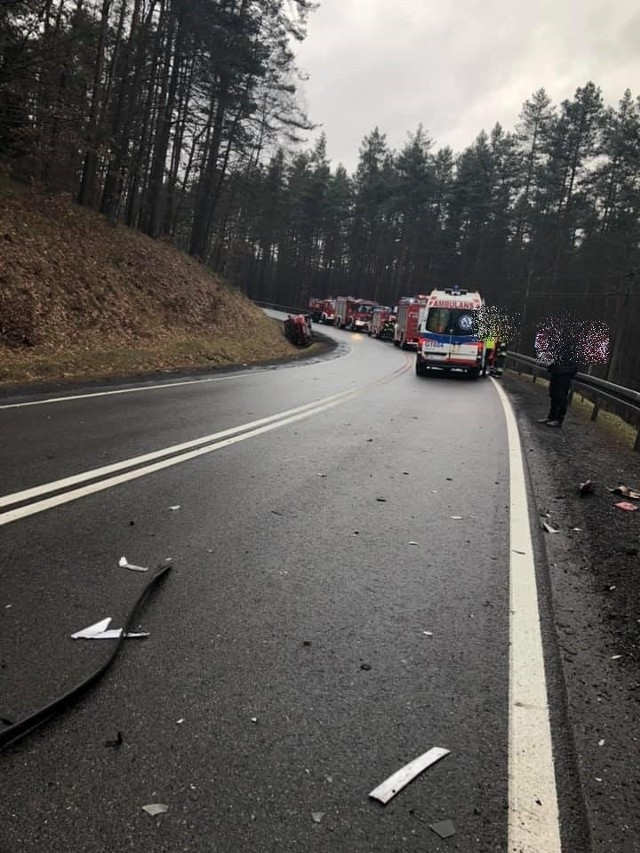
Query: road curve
[{"x": 339, "y": 604}]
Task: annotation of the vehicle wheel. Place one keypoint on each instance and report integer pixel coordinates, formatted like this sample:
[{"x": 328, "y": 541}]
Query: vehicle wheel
[
  {"x": 403, "y": 344},
  {"x": 396, "y": 343},
  {"x": 474, "y": 373},
  {"x": 421, "y": 370}
]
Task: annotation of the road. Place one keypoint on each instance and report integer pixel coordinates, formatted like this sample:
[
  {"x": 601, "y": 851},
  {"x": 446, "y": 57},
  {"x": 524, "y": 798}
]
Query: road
[{"x": 342, "y": 538}]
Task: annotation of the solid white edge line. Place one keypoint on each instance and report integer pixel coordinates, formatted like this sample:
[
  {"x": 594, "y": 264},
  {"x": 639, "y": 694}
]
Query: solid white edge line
[
  {"x": 66, "y": 497},
  {"x": 534, "y": 823}
]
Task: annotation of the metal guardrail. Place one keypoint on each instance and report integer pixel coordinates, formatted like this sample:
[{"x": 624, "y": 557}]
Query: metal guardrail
[{"x": 597, "y": 390}]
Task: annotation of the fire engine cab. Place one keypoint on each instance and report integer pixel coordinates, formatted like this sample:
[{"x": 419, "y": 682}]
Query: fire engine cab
[
  {"x": 322, "y": 310},
  {"x": 354, "y": 314},
  {"x": 382, "y": 322},
  {"x": 447, "y": 338},
  {"x": 410, "y": 309}
]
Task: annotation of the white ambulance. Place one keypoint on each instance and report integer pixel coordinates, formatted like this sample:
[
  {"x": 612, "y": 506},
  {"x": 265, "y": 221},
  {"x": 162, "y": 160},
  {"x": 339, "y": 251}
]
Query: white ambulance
[{"x": 447, "y": 339}]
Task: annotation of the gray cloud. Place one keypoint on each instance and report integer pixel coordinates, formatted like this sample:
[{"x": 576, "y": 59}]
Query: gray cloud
[{"x": 457, "y": 67}]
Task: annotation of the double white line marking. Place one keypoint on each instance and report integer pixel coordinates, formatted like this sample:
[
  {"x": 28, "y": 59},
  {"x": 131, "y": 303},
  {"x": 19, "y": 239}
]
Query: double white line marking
[{"x": 49, "y": 495}]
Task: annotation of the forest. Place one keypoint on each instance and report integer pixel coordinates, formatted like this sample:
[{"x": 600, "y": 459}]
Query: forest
[{"x": 181, "y": 118}]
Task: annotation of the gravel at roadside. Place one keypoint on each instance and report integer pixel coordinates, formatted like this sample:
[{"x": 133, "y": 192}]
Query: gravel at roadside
[{"x": 594, "y": 577}]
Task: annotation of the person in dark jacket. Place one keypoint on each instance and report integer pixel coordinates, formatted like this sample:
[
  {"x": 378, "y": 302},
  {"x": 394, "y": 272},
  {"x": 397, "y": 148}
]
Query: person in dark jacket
[{"x": 561, "y": 371}]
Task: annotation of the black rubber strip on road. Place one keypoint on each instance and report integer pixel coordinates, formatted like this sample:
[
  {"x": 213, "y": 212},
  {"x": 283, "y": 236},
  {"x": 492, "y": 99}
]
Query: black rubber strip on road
[{"x": 22, "y": 728}]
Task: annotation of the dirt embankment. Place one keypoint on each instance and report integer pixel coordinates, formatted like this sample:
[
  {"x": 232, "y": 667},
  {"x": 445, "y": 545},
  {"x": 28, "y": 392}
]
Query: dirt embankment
[{"x": 79, "y": 298}]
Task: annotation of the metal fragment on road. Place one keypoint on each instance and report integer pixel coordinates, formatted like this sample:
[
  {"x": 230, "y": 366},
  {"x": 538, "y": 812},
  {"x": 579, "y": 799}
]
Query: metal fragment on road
[
  {"x": 125, "y": 564},
  {"x": 548, "y": 528},
  {"x": 444, "y": 828},
  {"x": 155, "y": 808},
  {"x": 626, "y": 492},
  {"x": 395, "y": 783}
]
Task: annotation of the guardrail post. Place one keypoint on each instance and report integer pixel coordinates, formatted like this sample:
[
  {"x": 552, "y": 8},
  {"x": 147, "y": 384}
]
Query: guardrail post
[
  {"x": 596, "y": 409},
  {"x": 636, "y": 446}
]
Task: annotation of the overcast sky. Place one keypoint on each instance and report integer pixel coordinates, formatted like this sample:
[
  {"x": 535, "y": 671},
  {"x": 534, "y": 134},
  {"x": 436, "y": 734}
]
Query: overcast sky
[{"x": 457, "y": 66}]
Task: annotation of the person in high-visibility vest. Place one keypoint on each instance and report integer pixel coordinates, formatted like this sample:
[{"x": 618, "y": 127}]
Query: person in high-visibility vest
[{"x": 489, "y": 353}]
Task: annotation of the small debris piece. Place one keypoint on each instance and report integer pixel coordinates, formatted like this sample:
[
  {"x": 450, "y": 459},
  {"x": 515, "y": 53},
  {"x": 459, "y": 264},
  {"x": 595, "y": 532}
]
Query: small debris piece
[
  {"x": 456, "y": 517},
  {"x": 616, "y": 657},
  {"x": 320, "y": 475},
  {"x": 626, "y": 492},
  {"x": 369, "y": 439},
  {"x": 180, "y": 721},
  {"x": 450, "y": 479},
  {"x": 306, "y": 642},
  {"x": 155, "y": 808},
  {"x": 548, "y": 528},
  {"x": 427, "y": 633},
  {"x": 381, "y": 500},
  {"x": 611, "y": 588},
  {"x": 101, "y": 631},
  {"x": 601, "y": 742},
  {"x": 577, "y": 529},
  {"x": 317, "y": 816},
  {"x": 395, "y": 783},
  {"x": 518, "y": 552},
  {"x": 414, "y": 543},
  {"x": 444, "y": 828},
  {"x": 174, "y": 508},
  {"x": 115, "y": 743},
  {"x": 254, "y": 719},
  {"x": 365, "y": 666},
  {"x": 125, "y": 564},
  {"x": 626, "y": 506},
  {"x": 275, "y": 512},
  {"x": 586, "y": 488},
  {"x": 96, "y": 628}
]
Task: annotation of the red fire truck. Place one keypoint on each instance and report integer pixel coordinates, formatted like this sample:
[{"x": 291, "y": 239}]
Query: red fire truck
[
  {"x": 322, "y": 310},
  {"x": 354, "y": 314},
  {"x": 382, "y": 318},
  {"x": 410, "y": 312}
]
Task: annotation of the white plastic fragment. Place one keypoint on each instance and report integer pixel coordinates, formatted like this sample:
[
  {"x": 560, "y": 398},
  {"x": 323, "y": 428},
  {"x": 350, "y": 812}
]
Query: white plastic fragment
[
  {"x": 548, "y": 528},
  {"x": 414, "y": 543},
  {"x": 601, "y": 742},
  {"x": 92, "y": 630},
  {"x": 616, "y": 657},
  {"x": 427, "y": 633},
  {"x": 180, "y": 721},
  {"x": 391, "y": 786},
  {"x": 101, "y": 631},
  {"x": 456, "y": 517},
  {"x": 317, "y": 816},
  {"x": 125, "y": 564},
  {"x": 174, "y": 508},
  {"x": 254, "y": 719},
  {"x": 155, "y": 808}
]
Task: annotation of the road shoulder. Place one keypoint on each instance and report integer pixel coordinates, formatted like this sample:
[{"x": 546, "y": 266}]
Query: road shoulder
[{"x": 594, "y": 586}]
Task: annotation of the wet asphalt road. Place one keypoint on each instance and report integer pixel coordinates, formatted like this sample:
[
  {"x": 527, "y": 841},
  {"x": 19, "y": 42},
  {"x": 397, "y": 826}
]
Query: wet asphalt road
[{"x": 288, "y": 669}]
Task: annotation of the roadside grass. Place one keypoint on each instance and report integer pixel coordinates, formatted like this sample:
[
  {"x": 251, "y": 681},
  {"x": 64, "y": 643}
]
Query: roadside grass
[
  {"x": 609, "y": 423},
  {"x": 177, "y": 353}
]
